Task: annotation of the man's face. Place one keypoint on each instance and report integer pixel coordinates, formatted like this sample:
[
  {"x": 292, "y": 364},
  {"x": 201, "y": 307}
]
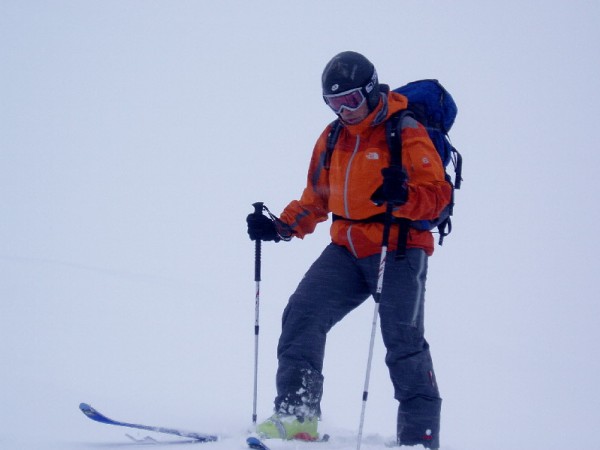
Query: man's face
[{"x": 356, "y": 116}]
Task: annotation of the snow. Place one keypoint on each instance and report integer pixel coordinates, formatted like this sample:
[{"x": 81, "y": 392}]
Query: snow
[{"x": 135, "y": 137}]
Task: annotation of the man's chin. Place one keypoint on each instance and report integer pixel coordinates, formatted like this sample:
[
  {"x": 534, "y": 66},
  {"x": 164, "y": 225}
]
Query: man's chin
[{"x": 352, "y": 121}]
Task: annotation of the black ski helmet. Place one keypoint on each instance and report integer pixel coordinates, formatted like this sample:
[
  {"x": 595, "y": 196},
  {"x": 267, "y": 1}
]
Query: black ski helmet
[{"x": 351, "y": 70}]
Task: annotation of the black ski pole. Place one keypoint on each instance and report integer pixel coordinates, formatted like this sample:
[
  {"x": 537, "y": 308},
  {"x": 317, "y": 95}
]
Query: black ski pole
[
  {"x": 258, "y": 209},
  {"x": 384, "y": 247}
]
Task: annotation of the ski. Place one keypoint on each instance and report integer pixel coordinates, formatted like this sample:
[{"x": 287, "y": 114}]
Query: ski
[
  {"x": 150, "y": 440},
  {"x": 93, "y": 414},
  {"x": 257, "y": 444}
]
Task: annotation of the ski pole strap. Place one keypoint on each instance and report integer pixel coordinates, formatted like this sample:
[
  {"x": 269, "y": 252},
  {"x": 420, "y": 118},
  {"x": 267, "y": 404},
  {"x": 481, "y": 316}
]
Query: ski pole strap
[{"x": 284, "y": 231}]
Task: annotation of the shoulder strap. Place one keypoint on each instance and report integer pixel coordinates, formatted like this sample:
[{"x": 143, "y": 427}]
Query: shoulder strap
[
  {"x": 393, "y": 134},
  {"x": 332, "y": 137}
]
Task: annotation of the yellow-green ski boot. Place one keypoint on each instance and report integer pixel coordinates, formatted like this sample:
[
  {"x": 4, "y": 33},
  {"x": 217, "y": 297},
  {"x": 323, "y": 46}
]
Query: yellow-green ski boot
[{"x": 288, "y": 427}]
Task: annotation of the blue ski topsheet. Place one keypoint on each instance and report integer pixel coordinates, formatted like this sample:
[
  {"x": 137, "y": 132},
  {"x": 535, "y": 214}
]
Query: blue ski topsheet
[
  {"x": 256, "y": 443},
  {"x": 98, "y": 417}
]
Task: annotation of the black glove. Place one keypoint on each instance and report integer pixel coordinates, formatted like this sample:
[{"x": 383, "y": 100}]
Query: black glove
[
  {"x": 394, "y": 189},
  {"x": 262, "y": 228}
]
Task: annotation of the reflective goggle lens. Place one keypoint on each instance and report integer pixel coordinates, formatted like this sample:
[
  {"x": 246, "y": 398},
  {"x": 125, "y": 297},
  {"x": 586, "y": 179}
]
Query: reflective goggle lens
[{"x": 350, "y": 100}]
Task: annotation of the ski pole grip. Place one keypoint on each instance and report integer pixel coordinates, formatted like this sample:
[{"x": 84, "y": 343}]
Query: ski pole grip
[
  {"x": 258, "y": 209},
  {"x": 257, "y": 260}
]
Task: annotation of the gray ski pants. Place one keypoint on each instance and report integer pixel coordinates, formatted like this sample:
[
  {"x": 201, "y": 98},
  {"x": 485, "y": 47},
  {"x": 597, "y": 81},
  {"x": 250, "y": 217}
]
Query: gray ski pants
[{"x": 335, "y": 284}]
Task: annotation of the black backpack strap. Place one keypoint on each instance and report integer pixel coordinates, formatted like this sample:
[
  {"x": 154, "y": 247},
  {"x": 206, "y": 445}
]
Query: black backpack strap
[
  {"x": 332, "y": 137},
  {"x": 393, "y": 133},
  {"x": 444, "y": 229}
]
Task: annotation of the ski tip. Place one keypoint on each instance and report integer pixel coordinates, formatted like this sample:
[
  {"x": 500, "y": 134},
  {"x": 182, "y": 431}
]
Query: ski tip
[
  {"x": 85, "y": 408},
  {"x": 91, "y": 413},
  {"x": 256, "y": 443}
]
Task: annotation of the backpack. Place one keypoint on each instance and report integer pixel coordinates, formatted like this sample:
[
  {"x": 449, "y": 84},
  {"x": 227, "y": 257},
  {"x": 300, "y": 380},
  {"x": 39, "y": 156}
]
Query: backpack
[{"x": 431, "y": 105}]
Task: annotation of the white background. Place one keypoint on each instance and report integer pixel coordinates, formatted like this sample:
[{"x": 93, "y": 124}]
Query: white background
[{"x": 134, "y": 138}]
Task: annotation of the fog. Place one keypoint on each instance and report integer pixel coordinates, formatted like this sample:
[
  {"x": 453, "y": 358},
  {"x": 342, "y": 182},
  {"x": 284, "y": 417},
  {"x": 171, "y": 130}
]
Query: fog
[{"x": 134, "y": 138}]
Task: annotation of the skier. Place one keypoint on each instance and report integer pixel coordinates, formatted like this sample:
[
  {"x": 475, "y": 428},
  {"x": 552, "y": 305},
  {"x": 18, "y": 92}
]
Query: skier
[{"x": 354, "y": 183}]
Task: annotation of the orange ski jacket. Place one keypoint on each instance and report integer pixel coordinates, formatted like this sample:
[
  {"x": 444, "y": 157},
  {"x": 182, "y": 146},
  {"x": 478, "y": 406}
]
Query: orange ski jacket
[{"x": 345, "y": 189}]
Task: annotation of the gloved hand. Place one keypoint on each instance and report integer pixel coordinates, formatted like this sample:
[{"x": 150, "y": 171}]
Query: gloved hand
[
  {"x": 394, "y": 189},
  {"x": 262, "y": 228}
]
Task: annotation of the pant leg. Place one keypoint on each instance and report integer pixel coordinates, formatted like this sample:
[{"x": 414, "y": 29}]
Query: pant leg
[
  {"x": 408, "y": 357},
  {"x": 333, "y": 286}
]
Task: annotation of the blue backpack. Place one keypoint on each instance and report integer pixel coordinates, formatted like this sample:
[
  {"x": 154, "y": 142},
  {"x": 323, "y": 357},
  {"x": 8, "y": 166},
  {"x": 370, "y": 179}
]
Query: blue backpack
[{"x": 431, "y": 105}]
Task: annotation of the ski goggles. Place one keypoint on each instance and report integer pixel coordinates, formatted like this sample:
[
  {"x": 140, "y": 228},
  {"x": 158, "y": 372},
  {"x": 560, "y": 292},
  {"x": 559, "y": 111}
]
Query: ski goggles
[{"x": 350, "y": 100}]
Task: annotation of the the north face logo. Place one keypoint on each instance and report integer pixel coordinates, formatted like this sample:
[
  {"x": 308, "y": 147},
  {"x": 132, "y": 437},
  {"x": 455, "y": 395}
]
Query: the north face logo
[{"x": 372, "y": 155}]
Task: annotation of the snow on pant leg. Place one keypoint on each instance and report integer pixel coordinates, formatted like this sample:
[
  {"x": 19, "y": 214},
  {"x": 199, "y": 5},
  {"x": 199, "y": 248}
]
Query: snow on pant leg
[
  {"x": 333, "y": 286},
  {"x": 408, "y": 357}
]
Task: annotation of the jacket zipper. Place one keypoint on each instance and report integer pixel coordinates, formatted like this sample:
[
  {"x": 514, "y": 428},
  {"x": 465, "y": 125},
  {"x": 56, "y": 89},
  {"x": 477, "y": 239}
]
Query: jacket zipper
[{"x": 346, "y": 207}]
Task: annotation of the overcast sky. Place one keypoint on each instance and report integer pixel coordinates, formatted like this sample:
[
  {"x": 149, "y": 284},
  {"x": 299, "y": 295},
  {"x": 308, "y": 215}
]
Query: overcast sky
[{"x": 135, "y": 135}]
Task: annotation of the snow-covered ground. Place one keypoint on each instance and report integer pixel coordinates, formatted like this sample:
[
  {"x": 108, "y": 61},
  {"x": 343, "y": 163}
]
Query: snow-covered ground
[{"x": 134, "y": 138}]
